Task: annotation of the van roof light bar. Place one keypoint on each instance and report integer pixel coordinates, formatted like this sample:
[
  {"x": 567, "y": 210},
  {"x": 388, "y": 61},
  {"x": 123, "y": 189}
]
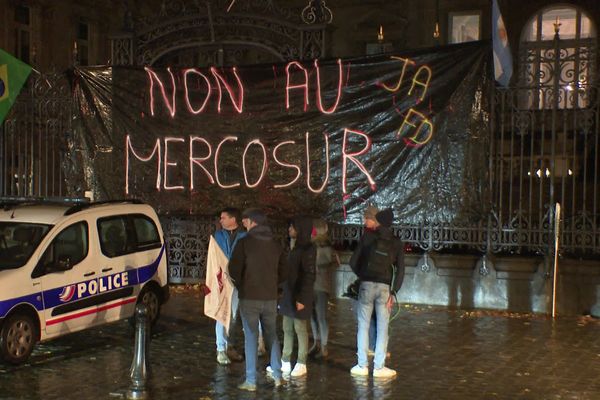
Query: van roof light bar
[{"x": 79, "y": 207}]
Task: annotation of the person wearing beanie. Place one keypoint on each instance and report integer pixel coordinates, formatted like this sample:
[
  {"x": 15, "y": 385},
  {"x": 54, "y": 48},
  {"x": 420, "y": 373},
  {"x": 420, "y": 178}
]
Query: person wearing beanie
[
  {"x": 256, "y": 215},
  {"x": 378, "y": 261},
  {"x": 257, "y": 268},
  {"x": 368, "y": 221},
  {"x": 385, "y": 217}
]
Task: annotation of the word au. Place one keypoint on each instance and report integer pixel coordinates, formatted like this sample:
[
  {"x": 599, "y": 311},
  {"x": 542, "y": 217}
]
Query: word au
[{"x": 416, "y": 128}]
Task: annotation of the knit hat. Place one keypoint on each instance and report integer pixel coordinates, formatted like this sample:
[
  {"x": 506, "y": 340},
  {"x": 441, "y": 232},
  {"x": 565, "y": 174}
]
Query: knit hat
[
  {"x": 370, "y": 212},
  {"x": 255, "y": 215},
  {"x": 385, "y": 217}
]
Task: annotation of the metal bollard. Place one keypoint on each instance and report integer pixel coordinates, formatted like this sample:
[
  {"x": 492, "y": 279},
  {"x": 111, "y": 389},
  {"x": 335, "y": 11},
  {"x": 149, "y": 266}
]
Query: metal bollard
[{"x": 138, "y": 369}]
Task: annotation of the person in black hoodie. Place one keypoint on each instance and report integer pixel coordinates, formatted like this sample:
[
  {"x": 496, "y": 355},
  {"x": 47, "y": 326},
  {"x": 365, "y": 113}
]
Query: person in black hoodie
[
  {"x": 297, "y": 301},
  {"x": 379, "y": 263},
  {"x": 257, "y": 267}
]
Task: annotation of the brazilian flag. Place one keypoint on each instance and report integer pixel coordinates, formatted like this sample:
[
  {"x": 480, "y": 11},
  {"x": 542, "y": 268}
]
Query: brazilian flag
[{"x": 13, "y": 74}]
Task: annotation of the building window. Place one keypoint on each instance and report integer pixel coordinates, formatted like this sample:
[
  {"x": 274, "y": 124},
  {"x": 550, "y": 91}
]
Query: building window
[
  {"x": 557, "y": 58},
  {"x": 83, "y": 43},
  {"x": 23, "y": 33},
  {"x": 464, "y": 26}
]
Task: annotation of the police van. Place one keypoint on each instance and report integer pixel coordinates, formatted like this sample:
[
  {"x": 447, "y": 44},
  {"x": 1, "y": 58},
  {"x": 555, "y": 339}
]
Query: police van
[{"x": 68, "y": 267}]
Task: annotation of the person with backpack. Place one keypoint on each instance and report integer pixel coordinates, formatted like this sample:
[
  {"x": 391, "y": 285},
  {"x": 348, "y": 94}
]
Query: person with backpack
[{"x": 378, "y": 261}]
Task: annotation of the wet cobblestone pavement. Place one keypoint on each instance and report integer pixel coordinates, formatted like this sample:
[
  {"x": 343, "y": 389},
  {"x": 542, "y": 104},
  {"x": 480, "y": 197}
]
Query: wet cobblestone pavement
[{"x": 438, "y": 353}]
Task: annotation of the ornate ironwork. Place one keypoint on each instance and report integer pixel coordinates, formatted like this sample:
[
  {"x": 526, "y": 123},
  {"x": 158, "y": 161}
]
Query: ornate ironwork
[
  {"x": 187, "y": 239},
  {"x": 205, "y": 28},
  {"x": 122, "y": 50},
  {"x": 545, "y": 146},
  {"x": 187, "y": 243},
  {"x": 317, "y": 12},
  {"x": 32, "y": 138},
  {"x": 484, "y": 269},
  {"x": 557, "y": 71}
]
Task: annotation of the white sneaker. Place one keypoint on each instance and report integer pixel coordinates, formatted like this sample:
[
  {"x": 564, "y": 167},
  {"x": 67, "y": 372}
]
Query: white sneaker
[
  {"x": 285, "y": 368},
  {"x": 384, "y": 372},
  {"x": 299, "y": 370},
  {"x": 357, "y": 370}
]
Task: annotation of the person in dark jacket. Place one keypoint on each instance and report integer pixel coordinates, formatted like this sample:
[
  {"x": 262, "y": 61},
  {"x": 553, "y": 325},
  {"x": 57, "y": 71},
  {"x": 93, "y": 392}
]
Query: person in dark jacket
[
  {"x": 257, "y": 268},
  {"x": 379, "y": 263},
  {"x": 297, "y": 301},
  {"x": 369, "y": 217}
]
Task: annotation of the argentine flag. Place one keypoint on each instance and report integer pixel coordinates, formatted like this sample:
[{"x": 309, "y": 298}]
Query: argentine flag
[{"x": 503, "y": 65}]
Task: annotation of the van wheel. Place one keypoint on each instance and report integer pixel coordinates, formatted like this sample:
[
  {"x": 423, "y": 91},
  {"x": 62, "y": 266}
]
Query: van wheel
[
  {"x": 151, "y": 299},
  {"x": 17, "y": 338}
]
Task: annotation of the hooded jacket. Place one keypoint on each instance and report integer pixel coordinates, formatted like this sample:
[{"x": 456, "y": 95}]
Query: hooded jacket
[
  {"x": 301, "y": 273},
  {"x": 258, "y": 265}
]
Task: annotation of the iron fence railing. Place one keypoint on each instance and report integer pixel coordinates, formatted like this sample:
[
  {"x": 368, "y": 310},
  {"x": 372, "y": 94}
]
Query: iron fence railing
[
  {"x": 32, "y": 138},
  {"x": 544, "y": 148},
  {"x": 538, "y": 158}
]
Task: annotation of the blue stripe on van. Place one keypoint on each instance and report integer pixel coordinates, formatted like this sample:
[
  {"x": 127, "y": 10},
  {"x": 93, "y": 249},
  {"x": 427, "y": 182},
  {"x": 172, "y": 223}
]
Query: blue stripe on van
[
  {"x": 52, "y": 297},
  {"x": 34, "y": 299},
  {"x": 148, "y": 271}
]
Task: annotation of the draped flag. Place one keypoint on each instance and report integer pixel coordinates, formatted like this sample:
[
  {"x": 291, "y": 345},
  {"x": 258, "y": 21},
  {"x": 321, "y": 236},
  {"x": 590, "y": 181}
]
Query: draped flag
[
  {"x": 217, "y": 302},
  {"x": 13, "y": 74},
  {"x": 503, "y": 64}
]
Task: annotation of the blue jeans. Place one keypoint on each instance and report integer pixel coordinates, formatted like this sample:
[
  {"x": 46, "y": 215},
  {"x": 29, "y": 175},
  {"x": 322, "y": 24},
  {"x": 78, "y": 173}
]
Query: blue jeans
[
  {"x": 372, "y": 327},
  {"x": 265, "y": 311},
  {"x": 318, "y": 322},
  {"x": 222, "y": 337},
  {"x": 373, "y": 295}
]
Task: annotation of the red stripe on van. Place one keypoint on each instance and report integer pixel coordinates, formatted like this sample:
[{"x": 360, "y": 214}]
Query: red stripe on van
[{"x": 88, "y": 312}]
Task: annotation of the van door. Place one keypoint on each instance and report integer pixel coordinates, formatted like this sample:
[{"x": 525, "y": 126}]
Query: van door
[
  {"x": 118, "y": 260},
  {"x": 69, "y": 279}
]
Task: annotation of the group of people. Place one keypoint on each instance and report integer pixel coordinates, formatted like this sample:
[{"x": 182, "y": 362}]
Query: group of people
[{"x": 270, "y": 280}]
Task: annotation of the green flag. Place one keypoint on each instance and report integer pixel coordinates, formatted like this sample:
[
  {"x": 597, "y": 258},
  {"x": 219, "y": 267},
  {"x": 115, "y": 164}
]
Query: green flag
[{"x": 13, "y": 74}]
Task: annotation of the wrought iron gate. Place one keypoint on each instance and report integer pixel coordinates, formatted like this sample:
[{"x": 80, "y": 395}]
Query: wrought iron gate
[
  {"x": 33, "y": 139},
  {"x": 544, "y": 148},
  {"x": 205, "y": 33}
]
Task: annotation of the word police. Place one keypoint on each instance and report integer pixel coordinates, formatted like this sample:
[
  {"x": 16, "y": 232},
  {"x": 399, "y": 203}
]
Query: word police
[{"x": 102, "y": 284}]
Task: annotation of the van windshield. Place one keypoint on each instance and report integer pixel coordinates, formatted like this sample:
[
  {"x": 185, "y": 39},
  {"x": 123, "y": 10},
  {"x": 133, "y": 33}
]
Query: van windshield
[{"x": 18, "y": 240}]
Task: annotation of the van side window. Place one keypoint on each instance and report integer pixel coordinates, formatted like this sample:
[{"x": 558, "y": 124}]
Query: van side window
[
  {"x": 113, "y": 236},
  {"x": 18, "y": 240},
  {"x": 146, "y": 233},
  {"x": 67, "y": 249}
]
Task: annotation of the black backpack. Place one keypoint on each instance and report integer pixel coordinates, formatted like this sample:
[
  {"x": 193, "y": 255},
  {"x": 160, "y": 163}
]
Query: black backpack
[{"x": 380, "y": 259}]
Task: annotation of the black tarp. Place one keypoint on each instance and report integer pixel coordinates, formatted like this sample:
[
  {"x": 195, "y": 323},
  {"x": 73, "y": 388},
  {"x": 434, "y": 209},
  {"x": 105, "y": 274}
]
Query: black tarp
[{"x": 427, "y": 157}]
